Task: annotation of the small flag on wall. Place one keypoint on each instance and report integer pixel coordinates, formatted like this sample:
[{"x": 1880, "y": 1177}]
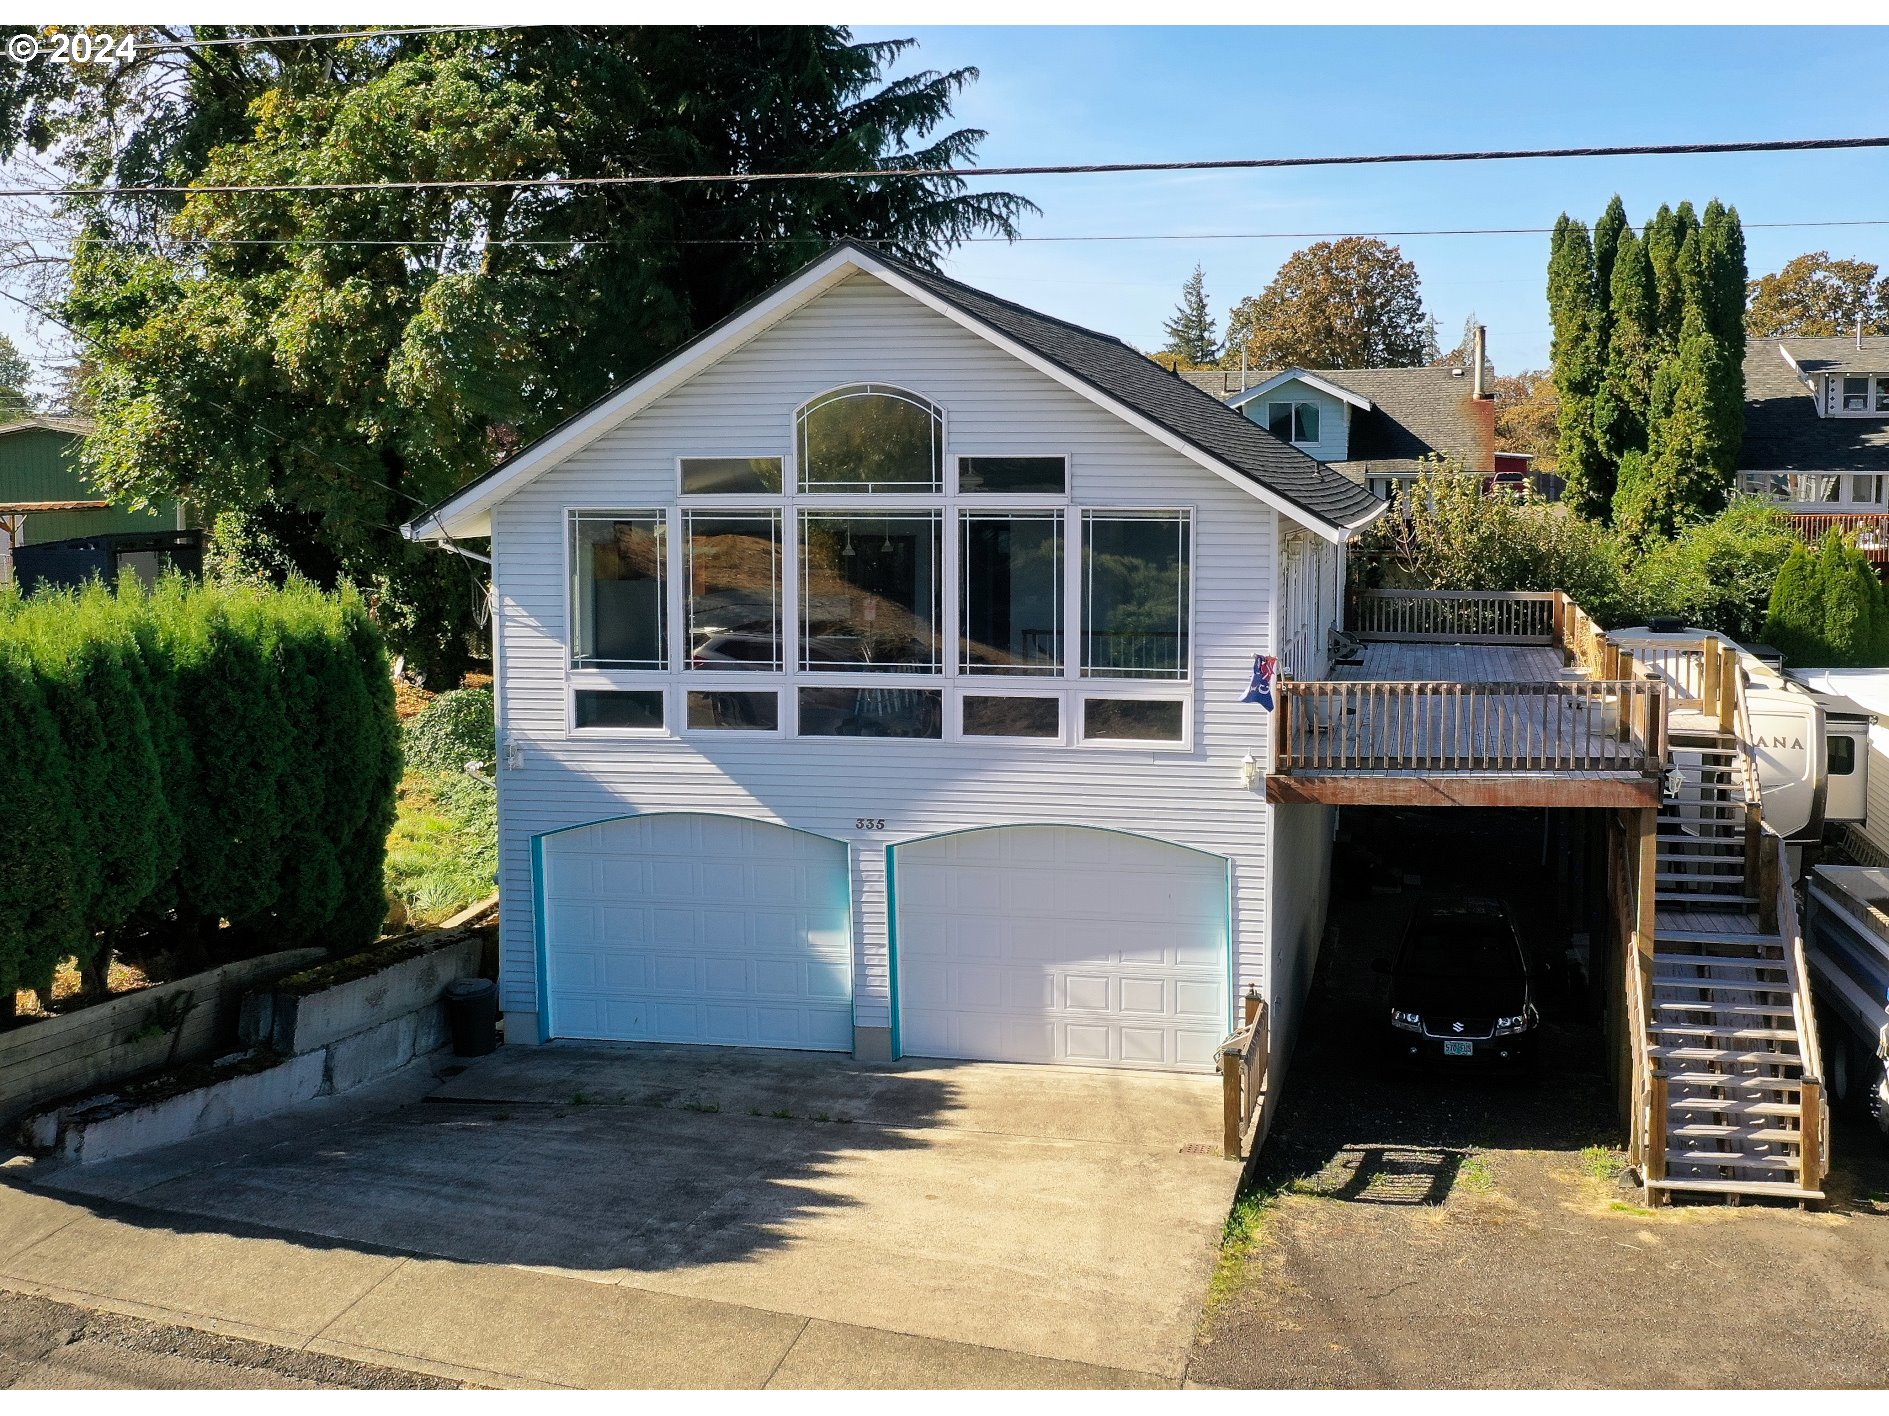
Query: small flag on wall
[{"x": 1264, "y": 667}]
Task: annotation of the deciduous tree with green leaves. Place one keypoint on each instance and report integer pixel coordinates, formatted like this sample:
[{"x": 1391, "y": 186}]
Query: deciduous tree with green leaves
[
  {"x": 1355, "y": 303},
  {"x": 331, "y": 362},
  {"x": 1816, "y": 295}
]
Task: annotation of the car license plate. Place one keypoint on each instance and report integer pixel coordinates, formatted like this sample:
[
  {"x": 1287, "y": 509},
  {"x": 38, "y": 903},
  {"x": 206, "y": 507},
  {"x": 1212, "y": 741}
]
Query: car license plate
[{"x": 1453, "y": 1048}]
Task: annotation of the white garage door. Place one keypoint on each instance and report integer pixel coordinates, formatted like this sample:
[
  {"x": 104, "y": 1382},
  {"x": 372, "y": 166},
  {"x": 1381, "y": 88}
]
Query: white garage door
[
  {"x": 1061, "y": 944},
  {"x": 696, "y": 928}
]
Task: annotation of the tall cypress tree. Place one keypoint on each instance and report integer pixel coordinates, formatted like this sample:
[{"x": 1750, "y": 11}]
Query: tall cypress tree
[
  {"x": 1624, "y": 398},
  {"x": 1684, "y": 477},
  {"x": 1607, "y": 230},
  {"x": 1722, "y": 258},
  {"x": 1574, "y": 307},
  {"x": 1665, "y": 237}
]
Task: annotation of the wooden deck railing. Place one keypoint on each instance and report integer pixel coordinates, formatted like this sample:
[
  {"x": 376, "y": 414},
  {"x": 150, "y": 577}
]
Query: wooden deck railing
[
  {"x": 1868, "y": 530},
  {"x": 1813, "y": 1115},
  {"x": 1384, "y": 725},
  {"x": 1244, "y": 1060},
  {"x": 1458, "y": 616}
]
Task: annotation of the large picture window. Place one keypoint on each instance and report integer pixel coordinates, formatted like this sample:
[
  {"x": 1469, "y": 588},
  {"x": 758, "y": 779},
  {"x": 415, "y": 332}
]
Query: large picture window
[
  {"x": 1135, "y": 591},
  {"x": 870, "y": 593},
  {"x": 618, "y": 604},
  {"x": 733, "y": 567},
  {"x": 1011, "y": 573},
  {"x": 870, "y": 438}
]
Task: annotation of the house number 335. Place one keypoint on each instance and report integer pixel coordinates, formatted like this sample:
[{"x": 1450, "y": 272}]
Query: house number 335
[{"x": 869, "y": 823}]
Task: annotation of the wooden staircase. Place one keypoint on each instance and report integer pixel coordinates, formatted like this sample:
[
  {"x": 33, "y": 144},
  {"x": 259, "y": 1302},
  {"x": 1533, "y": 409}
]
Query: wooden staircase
[{"x": 1732, "y": 1101}]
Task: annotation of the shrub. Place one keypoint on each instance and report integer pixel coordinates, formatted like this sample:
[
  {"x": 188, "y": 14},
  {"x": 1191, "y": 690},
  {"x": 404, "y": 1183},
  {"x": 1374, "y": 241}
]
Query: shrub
[
  {"x": 1717, "y": 574},
  {"x": 456, "y": 728},
  {"x": 1828, "y": 608},
  {"x": 196, "y": 755},
  {"x": 1459, "y": 535}
]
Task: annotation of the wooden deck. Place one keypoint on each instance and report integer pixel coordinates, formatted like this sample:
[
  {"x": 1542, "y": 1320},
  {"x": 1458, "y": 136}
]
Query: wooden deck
[{"x": 1496, "y": 718}]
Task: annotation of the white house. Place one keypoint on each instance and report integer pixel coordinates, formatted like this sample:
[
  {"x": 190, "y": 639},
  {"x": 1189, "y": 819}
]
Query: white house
[
  {"x": 1817, "y": 424},
  {"x": 870, "y": 676}
]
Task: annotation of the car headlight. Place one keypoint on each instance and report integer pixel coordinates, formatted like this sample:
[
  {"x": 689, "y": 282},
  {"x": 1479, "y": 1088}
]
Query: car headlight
[
  {"x": 1409, "y": 1022},
  {"x": 1521, "y": 1022}
]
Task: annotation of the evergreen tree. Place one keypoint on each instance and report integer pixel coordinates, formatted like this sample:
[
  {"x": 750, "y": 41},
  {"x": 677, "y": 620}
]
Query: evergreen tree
[
  {"x": 1665, "y": 237},
  {"x": 1607, "y": 232},
  {"x": 1624, "y": 398},
  {"x": 338, "y": 362},
  {"x": 1574, "y": 307},
  {"x": 1684, "y": 476},
  {"x": 1793, "y": 624},
  {"x": 1193, "y": 335},
  {"x": 1722, "y": 286}
]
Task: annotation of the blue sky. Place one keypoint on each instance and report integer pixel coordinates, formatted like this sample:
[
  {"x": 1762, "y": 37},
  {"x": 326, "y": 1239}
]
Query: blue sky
[{"x": 1086, "y": 95}]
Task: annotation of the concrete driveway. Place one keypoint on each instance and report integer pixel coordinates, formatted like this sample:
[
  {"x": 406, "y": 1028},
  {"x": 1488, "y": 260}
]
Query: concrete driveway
[{"x": 594, "y": 1215}]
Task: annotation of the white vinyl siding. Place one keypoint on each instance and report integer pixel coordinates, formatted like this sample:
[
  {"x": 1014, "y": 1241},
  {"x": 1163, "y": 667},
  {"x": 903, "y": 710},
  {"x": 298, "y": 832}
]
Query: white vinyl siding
[
  {"x": 863, "y": 331},
  {"x": 1334, "y": 421}
]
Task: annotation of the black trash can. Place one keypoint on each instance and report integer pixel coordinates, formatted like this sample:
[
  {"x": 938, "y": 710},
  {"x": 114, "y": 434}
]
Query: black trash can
[{"x": 472, "y": 1016}]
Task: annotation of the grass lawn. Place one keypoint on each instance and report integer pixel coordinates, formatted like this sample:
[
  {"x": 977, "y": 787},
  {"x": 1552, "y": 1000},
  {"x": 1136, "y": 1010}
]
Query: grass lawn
[{"x": 442, "y": 854}]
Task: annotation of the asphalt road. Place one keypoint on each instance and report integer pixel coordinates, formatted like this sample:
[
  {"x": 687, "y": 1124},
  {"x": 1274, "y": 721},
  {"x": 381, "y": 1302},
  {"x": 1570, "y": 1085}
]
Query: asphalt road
[{"x": 46, "y": 1345}]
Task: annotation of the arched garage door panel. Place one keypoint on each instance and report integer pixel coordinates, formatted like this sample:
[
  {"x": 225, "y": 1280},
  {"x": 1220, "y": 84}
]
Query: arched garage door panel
[
  {"x": 1061, "y": 944},
  {"x": 697, "y": 928}
]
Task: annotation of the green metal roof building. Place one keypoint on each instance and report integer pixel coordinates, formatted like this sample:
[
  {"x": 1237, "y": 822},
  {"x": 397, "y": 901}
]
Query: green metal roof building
[{"x": 45, "y": 497}]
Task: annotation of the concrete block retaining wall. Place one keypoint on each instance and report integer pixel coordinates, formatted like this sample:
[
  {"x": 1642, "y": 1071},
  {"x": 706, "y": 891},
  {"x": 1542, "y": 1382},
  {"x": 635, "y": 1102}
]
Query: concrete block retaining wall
[
  {"x": 107, "y": 1043},
  {"x": 307, "y": 1038}
]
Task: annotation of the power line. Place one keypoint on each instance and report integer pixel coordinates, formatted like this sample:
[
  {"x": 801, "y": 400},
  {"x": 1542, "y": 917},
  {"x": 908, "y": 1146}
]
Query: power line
[
  {"x": 533, "y": 241},
  {"x": 1231, "y": 164}
]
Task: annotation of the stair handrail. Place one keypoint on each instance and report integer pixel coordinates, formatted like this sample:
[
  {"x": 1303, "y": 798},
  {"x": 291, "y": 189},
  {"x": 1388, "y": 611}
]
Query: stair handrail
[
  {"x": 1777, "y": 903},
  {"x": 1651, "y": 1153},
  {"x": 1814, "y": 1116}
]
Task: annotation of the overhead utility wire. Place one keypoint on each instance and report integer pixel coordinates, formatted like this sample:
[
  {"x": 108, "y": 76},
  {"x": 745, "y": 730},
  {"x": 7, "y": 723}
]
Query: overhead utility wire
[
  {"x": 324, "y": 241},
  {"x": 1230, "y": 164}
]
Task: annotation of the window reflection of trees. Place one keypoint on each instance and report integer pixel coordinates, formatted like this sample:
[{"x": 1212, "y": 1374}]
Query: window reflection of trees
[
  {"x": 869, "y": 438},
  {"x": 1135, "y": 578},
  {"x": 734, "y": 568},
  {"x": 870, "y": 591}
]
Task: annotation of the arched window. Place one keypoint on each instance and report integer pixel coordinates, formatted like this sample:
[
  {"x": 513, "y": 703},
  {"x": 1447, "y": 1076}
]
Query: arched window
[{"x": 870, "y": 438}]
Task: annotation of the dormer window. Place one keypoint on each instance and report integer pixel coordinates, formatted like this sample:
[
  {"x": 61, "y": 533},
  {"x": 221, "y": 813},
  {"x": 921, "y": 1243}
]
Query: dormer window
[
  {"x": 1860, "y": 395},
  {"x": 1293, "y": 422},
  {"x": 870, "y": 438}
]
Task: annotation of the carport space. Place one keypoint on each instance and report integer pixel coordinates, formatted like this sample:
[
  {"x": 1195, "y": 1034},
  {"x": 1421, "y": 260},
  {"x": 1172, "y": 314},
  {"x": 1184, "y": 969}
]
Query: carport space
[
  {"x": 849, "y": 1223},
  {"x": 1471, "y": 1230}
]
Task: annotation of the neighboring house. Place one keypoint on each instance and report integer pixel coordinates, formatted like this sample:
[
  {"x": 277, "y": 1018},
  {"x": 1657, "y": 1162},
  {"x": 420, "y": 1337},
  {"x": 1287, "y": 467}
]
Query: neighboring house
[
  {"x": 1375, "y": 425},
  {"x": 870, "y": 679},
  {"x": 1817, "y": 431},
  {"x": 45, "y": 497}
]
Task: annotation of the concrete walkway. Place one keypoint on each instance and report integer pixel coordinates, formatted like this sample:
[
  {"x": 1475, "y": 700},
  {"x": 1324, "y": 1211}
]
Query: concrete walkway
[{"x": 593, "y": 1216}]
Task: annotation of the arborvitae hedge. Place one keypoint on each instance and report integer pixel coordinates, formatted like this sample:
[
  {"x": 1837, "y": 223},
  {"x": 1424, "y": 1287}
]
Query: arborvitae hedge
[
  {"x": 1829, "y": 609},
  {"x": 191, "y": 758}
]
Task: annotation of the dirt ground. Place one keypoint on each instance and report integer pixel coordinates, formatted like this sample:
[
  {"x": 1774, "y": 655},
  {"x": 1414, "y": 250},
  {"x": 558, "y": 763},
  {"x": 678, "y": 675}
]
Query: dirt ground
[
  {"x": 1459, "y": 1231},
  {"x": 54, "y": 1346}
]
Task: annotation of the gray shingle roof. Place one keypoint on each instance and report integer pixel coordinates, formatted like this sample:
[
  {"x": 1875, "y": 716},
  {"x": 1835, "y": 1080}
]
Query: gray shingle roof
[
  {"x": 1103, "y": 362},
  {"x": 1175, "y": 404},
  {"x": 1415, "y": 413},
  {"x": 1842, "y": 354},
  {"x": 1782, "y": 430}
]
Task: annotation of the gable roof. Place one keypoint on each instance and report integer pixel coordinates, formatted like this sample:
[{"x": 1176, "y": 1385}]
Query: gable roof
[
  {"x": 34, "y": 422},
  {"x": 1305, "y": 376},
  {"x": 1097, "y": 366},
  {"x": 1782, "y": 430},
  {"x": 1408, "y": 414}
]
